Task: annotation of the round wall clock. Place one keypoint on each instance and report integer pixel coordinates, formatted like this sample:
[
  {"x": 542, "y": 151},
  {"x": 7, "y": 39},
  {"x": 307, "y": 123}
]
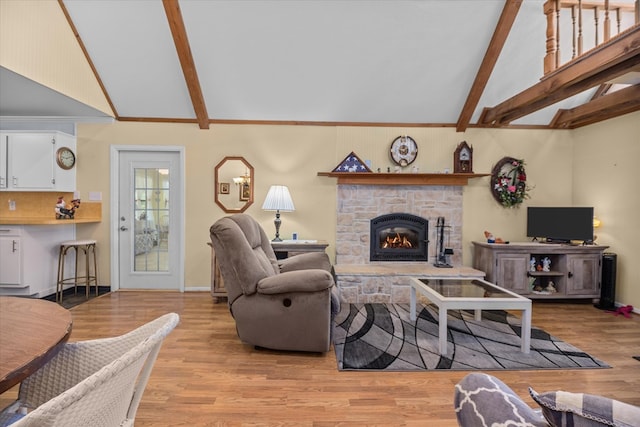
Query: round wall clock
[
  {"x": 404, "y": 150},
  {"x": 65, "y": 158}
]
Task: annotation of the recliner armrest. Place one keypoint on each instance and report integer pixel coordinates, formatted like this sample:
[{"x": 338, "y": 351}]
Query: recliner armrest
[
  {"x": 312, "y": 280},
  {"x": 305, "y": 261}
]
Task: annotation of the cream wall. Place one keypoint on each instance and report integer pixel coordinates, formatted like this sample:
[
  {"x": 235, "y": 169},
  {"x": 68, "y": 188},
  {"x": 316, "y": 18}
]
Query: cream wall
[
  {"x": 37, "y": 42},
  {"x": 292, "y": 155},
  {"x": 605, "y": 175}
]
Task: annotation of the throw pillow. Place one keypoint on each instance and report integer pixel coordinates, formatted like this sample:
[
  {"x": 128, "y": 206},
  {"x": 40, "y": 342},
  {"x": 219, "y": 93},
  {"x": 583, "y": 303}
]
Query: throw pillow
[
  {"x": 483, "y": 400},
  {"x": 564, "y": 409}
]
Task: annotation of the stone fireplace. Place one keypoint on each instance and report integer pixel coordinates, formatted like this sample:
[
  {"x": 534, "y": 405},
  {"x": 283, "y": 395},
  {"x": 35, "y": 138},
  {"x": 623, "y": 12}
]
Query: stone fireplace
[{"x": 359, "y": 204}]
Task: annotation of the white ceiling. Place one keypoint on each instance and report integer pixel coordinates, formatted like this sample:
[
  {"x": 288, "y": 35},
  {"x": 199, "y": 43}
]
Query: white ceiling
[{"x": 307, "y": 60}]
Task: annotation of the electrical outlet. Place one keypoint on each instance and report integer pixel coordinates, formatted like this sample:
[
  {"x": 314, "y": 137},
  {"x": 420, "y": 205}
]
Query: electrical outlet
[{"x": 12, "y": 205}]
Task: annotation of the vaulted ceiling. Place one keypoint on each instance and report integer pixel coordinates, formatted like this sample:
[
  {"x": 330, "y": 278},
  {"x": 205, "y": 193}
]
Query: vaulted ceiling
[{"x": 412, "y": 63}]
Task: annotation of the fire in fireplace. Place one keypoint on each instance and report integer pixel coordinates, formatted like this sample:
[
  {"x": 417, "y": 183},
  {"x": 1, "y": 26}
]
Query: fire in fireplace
[
  {"x": 397, "y": 241},
  {"x": 399, "y": 237}
]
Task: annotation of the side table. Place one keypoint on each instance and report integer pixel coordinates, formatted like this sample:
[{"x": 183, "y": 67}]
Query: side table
[
  {"x": 289, "y": 248},
  {"x": 218, "y": 290}
]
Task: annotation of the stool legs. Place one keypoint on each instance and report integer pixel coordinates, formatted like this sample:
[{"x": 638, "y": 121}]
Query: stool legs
[{"x": 89, "y": 251}]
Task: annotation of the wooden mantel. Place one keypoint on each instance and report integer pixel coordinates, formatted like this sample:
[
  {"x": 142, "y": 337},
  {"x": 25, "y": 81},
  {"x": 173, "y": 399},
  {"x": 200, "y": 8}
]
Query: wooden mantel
[{"x": 371, "y": 178}]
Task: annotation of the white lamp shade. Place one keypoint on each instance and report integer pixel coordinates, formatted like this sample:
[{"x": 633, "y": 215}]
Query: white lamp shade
[{"x": 278, "y": 199}]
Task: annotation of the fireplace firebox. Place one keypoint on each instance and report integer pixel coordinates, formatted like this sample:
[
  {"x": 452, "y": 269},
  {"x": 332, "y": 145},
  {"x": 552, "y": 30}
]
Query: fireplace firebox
[{"x": 399, "y": 237}]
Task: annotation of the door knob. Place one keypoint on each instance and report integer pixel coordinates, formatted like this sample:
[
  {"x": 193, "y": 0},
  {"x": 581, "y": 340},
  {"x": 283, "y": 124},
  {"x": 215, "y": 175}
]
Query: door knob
[{"x": 123, "y": 228}]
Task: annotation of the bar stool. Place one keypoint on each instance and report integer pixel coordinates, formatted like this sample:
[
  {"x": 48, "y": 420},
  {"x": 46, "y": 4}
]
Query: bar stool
[{"x": 89, "y": 249}]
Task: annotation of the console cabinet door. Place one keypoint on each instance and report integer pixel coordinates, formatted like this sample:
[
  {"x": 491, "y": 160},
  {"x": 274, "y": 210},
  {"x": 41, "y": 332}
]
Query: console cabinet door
[
  {"x": 512, "y": 272},
  {"x": 583, "y": 277}
]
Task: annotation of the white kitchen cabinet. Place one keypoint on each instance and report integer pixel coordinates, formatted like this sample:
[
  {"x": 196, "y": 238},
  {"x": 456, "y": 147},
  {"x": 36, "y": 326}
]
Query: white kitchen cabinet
[
  {"x": 29, "y": 162},
  {"x": 3, "y": 161},
  {"x": 10, "y": 257},
  {"x": 38, "y": 247}
]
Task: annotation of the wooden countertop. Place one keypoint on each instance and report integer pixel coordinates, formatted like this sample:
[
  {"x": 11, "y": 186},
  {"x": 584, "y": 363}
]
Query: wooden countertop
[{"x": 38, "y": 208}]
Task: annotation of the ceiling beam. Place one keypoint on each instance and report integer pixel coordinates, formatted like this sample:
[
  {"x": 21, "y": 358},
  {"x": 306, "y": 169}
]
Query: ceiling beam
[
  {"x": 180, "y": 39},
  {"x": 608, "y": 61},
  {"x": 500, "y": 34},
  {"x": 602, "y": 90},
  {"x": 620, "y": 102}
]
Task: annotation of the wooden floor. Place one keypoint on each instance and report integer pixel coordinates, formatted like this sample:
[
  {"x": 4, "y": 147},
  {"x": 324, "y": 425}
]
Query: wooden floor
[{"x": 205, "y": 376}]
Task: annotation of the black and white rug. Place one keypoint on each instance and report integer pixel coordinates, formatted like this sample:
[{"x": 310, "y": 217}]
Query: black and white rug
[{"x": 382, "y": 337}]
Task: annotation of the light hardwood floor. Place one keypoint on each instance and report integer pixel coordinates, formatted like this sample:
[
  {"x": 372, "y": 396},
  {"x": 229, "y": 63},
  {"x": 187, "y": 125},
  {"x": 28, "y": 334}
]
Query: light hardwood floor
[{"x": 205, "y": 376}]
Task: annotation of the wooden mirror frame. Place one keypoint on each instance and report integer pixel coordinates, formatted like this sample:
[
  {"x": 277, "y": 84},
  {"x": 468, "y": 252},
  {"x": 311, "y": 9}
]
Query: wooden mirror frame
[{"x": 217, "y": 181}]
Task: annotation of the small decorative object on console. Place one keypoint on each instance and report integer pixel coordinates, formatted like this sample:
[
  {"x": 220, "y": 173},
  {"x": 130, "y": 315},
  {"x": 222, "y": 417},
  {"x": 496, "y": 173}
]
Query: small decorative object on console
[
  {"x": 463, "y": 158},
  {"x": 492, "y": 239},
  {"x": 404, "y": 150},
  {"x": 546, "y": 264}
]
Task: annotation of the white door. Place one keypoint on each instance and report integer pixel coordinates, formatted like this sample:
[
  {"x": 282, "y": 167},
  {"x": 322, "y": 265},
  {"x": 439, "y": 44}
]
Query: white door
[{"x": 149, "y": 219}]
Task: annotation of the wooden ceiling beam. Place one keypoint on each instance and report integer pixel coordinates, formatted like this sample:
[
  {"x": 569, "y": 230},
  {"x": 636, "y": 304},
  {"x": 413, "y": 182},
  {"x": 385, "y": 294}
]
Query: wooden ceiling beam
[
  {"x": 602, "y": 90},
  {"x": 612, "y": 59},
  {"x": 500, "y": 34},
  {"x": 181, "y": 41},
  {"x": 620, "y": 102}
]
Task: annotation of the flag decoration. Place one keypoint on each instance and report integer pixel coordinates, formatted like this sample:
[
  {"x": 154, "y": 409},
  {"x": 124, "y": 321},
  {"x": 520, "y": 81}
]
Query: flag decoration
[{"x": 352, "y": 163}]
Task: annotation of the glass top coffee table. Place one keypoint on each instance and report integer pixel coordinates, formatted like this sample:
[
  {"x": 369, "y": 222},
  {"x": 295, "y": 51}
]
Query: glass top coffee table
[{"x": 469, "y": 294}]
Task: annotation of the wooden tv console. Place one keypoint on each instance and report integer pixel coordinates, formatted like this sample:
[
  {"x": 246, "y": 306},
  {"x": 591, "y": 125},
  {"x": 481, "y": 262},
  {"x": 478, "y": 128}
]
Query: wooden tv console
[{"x": 575, "y": 271}]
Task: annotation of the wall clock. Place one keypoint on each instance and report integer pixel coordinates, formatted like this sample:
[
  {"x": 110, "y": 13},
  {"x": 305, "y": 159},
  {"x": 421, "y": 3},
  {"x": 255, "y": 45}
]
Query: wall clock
[
  {"x": 404, "y": 150},
  {"x": 463, "y": 158},
  {"x": 65, "y": 158}
]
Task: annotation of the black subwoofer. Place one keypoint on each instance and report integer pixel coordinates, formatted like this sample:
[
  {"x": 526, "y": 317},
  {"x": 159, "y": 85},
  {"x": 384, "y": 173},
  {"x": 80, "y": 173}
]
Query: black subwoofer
[{"x": 608, "y": 283}]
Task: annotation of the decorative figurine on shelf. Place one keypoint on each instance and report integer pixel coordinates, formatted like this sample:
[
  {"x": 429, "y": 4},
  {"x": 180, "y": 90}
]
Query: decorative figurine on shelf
[
  {"x": 546, "y": 264},
  {"x": 532, "y": 264},
  {"x": 551, "y": 287},
  {"x": 64, "y": 212}
]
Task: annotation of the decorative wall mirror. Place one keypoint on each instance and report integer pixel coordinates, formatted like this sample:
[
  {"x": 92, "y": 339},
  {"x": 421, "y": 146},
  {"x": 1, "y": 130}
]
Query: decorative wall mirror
[{"x": 233, "y": 186}]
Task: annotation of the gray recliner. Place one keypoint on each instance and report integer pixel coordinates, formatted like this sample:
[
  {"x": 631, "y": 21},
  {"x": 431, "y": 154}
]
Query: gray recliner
[{"x": 276, "y": 304}]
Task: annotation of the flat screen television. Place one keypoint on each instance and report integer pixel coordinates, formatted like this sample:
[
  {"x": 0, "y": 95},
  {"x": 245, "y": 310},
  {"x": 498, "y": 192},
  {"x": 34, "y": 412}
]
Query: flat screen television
[{"x": 560, "y": 224}]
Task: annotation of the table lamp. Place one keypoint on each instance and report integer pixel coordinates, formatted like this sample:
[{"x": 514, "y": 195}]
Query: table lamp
[{"x": 278, "y": 199}]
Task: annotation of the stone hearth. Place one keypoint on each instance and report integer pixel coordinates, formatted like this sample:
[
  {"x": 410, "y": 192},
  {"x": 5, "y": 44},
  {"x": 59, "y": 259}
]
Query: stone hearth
[{"x": 358, "y": 204}]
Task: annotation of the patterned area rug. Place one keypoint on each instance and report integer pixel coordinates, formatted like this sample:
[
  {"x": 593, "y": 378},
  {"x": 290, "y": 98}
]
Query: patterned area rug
[{"x": 381, "y": 337}]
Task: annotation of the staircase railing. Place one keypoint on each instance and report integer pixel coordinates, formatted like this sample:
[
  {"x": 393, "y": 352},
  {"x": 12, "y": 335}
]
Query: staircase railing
[{"x": 576, "y": 26}]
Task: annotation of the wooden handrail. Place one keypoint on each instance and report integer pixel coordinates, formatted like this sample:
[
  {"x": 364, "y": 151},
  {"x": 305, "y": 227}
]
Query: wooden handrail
[{"x": 602, "y": 12}]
